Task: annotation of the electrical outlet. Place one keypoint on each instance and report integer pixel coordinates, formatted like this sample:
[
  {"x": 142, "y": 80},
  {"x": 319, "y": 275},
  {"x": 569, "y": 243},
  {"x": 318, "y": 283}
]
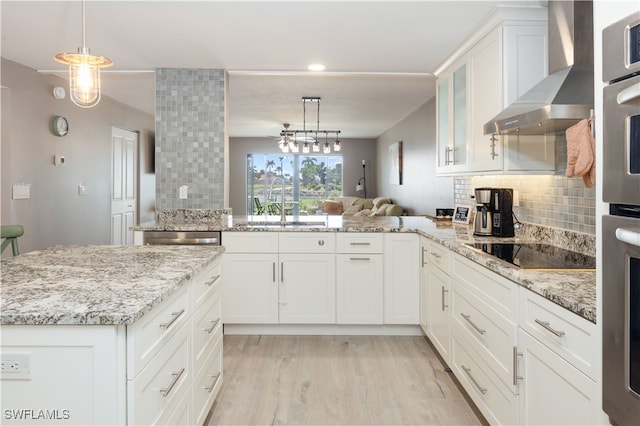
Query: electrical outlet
[
  {"x": 15, "y": 367},
  {"x": 182, "y": 192}
]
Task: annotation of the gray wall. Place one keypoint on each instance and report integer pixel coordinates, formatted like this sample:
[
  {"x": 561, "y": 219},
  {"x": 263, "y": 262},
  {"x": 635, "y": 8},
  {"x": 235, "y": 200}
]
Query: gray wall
[
  {"x": 191, "y": 138},
  {"x": 421, "y": 191},
  {"x": 55, "y": 214},
  {"x": 353, "y": 152}
]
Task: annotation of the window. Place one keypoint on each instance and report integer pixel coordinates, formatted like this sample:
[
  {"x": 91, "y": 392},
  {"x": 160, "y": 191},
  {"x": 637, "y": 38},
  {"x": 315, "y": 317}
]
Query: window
[{"x": 305, "y": 179}]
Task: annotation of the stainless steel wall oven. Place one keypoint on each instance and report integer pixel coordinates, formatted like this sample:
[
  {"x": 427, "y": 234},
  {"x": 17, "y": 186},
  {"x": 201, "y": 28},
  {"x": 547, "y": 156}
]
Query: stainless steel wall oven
[{"x": 621, "y": 228}]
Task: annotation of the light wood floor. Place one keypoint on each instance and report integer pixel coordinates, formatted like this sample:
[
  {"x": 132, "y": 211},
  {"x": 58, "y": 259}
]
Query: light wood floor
[{"x": 329, "y": 380}]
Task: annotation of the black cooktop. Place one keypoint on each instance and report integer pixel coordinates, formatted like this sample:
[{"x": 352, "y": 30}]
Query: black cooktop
[{"x": 537, "y": 256}]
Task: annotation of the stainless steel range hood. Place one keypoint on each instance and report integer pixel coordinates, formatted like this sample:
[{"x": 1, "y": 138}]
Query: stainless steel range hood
[{"x": 565, "y": 96}]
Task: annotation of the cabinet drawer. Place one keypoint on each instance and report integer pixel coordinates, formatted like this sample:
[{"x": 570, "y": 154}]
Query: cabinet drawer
[
  {"x": 496, "y": 291},
  {"x": 146, "y": 337},
  {"x": 495, "y": 400},
  {"x": 562, "y": 331},
  {"x": 206, "y": 384},
  {"x": 206, "y": 282},
  {"x": 165, "y": 379},
  {"x": 359, "y": 242},
  {"x": 493, "y": 336},
  {"x": 250, "y": 242},
  {"x": 307, "y": 242},
  {"x": 439, "y": 257},
  {"x": 207, "y": 328}
]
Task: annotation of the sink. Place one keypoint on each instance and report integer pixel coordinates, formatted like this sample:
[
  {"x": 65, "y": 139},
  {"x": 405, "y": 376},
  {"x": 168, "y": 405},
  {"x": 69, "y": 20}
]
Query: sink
[{"x": 263, "y": 223}]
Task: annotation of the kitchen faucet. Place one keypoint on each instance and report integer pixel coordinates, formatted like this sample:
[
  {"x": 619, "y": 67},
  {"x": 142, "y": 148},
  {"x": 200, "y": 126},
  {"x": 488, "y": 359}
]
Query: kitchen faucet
[{"x": 283, "y": 217}]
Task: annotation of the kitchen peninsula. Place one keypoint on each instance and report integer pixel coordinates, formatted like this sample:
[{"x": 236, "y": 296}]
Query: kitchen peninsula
[
  {"x": 517, "y": 339},
  {"x": 111, "y": 334}
]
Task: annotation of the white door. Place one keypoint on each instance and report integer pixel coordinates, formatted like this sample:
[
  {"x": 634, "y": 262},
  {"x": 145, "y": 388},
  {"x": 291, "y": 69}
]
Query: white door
[{"x": 124, "y": 175}]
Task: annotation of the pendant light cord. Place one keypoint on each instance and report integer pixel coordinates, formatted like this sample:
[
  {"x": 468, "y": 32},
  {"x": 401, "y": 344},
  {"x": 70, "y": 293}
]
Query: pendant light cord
[{"x": 84, "y": 27}]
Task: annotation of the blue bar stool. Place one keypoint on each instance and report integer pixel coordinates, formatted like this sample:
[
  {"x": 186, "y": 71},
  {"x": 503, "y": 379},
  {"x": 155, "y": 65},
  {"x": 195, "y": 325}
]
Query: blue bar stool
[{"x": 10, "y": 233}]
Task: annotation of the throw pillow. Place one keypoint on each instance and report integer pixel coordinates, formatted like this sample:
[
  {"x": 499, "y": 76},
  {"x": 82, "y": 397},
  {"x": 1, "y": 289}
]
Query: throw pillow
[
  {"x": 354, "y": 208},
  {"x": 332, "y": 207},
  {"x": 377, "y": 202}
]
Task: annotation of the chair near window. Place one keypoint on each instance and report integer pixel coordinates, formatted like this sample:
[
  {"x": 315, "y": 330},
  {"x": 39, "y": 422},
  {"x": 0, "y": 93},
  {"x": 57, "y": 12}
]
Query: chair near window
[
  {"x": 257, "y": 207},
  {"x": 10, "y": 233},
  {"x": 273, "y": 208}
]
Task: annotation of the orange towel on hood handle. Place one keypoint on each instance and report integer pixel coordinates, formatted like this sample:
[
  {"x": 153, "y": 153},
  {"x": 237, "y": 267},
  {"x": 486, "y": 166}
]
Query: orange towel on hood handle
[{"x": 581, "y": 149}]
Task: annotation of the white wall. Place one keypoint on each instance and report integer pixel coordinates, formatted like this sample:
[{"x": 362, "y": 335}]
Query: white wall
[
  {"x": 421, "y": 191},
  {"x": 55, "y": 214}
]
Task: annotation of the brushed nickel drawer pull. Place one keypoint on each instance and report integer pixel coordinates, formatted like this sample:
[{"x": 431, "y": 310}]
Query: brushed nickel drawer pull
[
  {"x": 175, "y": 316},
  {"x": 444, "y": 290},
  {"x": 273, "y": 272},
  {"x": 468, "y": 318},
  {"x": 436, "y": 255},
  {"x": 468, "y": 371},
  {"x": 548, "y": 327},
  {"x": 210, "y": 329},
  {"x": 213, "y": 385},
  {"x": 359, "y": 258},
  {"x": 211, "y": 281},
  {"x": 360, "y": 244},
  {"x": 176, "y": 377},
  {"x": 516, "y": 377},
  {"x": 424, "y": 250}
]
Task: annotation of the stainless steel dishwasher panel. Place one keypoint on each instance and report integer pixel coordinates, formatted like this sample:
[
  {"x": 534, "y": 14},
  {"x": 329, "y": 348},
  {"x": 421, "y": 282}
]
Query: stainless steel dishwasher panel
[{"x": 211, "y": 238}]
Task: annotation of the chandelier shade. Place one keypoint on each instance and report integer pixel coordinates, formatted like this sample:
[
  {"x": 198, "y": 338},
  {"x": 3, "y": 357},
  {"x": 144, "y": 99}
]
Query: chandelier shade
[
  {"x": 84, "y": 72},
  {"x": 290, "y": 140}
]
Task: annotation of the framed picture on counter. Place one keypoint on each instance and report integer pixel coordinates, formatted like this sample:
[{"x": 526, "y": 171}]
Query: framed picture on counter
[{"x": 461, "y": 214}]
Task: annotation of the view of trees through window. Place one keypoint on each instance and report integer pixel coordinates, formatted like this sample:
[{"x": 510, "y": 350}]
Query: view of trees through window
[{"x": 306, "y": 180}]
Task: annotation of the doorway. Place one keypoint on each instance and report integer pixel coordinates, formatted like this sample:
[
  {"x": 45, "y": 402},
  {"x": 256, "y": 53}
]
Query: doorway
[{"x": 124, "y": 175}]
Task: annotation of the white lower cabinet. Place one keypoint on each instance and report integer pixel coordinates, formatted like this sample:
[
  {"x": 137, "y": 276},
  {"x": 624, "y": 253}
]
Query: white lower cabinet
[
  {"x": 279, "y": 277},
  {"x": 401, "y": 278},
  {"x": 359, "y": 281},
  {"x": 521, "y": 358},
  {"x": 439, "y": 292},
  {"x": 307, "y": 293},
  {"x": 552, "y": 391},
  {"x": 497, "y": 401},
  {"x": 424, "y": 285},
  {"x": 252, "y": 294}
]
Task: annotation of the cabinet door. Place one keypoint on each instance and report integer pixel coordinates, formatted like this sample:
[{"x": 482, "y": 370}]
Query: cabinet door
[
  {"x": 307, "y": 292},
  {"x": 401, "y": 279},
  {"x": 359, "y": 288},
  {"x": 485, "y": 100},
  {"x": 459, "y": 115},
  {"x": 250, "y": 291},
  {"x": 552, "y": 391},
  {"x": 424, "y": 284},
  {"x": 442, "y": 111},
  {"x": 440, "y": 323}
]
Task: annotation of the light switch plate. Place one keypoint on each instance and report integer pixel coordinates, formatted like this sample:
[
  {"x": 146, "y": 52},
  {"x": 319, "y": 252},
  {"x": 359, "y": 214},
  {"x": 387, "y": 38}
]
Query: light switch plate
[{"x": 21, "y": 191}]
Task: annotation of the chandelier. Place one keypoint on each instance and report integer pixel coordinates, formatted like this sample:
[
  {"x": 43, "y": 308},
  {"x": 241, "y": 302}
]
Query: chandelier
[
  {"x": 84, "y": 72},
  {"x": 310, "y": 140}
]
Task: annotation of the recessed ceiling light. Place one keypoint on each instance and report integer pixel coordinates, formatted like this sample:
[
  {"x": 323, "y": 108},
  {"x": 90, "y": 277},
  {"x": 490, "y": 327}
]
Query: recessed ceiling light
[{"x": 316, "y": 67}]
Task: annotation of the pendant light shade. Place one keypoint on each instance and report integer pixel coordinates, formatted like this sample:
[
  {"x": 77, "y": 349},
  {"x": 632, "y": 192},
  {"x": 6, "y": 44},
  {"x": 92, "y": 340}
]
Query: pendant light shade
[{"x": 84, "y": 72}]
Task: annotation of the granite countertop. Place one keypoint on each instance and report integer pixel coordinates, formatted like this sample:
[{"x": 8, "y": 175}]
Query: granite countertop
[
  {"x": 573, "y": 290},
  {"x": 95, "y": 284}
]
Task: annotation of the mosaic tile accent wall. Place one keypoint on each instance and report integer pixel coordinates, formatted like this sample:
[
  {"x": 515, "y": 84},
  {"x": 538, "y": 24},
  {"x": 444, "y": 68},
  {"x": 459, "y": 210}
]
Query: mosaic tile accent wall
[
  {"x": 190, "y": 138},
  {"x": 551, "y": 200}
]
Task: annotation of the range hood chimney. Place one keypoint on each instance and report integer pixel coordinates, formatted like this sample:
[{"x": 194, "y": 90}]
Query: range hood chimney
[{"x": 565, "y": 96}]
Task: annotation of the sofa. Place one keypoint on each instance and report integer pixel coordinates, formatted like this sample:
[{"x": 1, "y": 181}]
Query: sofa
[{"x": 356, "y": 206}]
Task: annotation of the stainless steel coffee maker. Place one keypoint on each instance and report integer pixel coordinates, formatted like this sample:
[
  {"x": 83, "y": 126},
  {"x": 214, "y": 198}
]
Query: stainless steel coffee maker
[{"x": 483, "y": 221}]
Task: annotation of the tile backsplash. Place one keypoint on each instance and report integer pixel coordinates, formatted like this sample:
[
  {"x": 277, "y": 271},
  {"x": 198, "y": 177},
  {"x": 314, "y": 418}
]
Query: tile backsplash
[
  {"x": 190, "y": 137},
  {"x": 549, "y": 200}
]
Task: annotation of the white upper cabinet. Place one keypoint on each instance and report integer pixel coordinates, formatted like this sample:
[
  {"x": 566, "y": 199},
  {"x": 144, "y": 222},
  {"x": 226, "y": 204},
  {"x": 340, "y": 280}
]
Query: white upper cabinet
[
  {"x": 506, "y": 57},
  {"x": 452, "y": 119}
]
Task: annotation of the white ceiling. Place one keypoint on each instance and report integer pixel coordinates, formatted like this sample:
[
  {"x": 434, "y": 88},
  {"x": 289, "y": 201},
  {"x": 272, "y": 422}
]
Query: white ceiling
[{"x": 379, "y": 55}]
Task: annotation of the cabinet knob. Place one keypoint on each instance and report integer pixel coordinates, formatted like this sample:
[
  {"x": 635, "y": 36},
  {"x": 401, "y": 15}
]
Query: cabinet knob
[{"x": 320, "y": 242}]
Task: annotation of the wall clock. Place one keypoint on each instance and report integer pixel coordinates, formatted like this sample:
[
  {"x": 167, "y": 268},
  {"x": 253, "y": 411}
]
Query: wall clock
[{"x": 59, "y": 125}]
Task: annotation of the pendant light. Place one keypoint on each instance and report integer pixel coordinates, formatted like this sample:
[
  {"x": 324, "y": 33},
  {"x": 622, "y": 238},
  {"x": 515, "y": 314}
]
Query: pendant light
[
  {"x": 309, "y": 143},
  {"x": 84, "y": 71}
]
